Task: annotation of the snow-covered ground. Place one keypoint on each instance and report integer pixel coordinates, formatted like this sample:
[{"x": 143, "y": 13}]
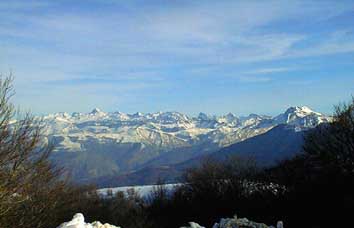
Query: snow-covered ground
[
  {"x": 146, "y": 190},
  {"x": 78, "y": 221},
  {"x": 235, "y": 223},
  {"x": 143, "y": 190}
]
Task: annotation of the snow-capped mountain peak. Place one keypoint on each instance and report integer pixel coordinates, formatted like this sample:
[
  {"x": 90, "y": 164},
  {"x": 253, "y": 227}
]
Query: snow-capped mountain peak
[
  {"x": 301, "y": 111},
  {"x": 300, "y": 116}
]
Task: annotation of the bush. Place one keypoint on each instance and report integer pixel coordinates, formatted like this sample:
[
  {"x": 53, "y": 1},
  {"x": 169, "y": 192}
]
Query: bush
[
  {"x": 120, "y": 209},
  {"x": 214, "y": 190}
]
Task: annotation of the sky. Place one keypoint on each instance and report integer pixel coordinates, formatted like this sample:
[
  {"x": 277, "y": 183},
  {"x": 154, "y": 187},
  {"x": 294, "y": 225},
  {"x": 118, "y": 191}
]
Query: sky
[{"x": 188, "y": 56}]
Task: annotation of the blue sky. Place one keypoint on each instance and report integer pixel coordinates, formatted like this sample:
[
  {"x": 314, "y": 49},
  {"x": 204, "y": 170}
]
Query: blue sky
[{"x": 168, "y": 55}]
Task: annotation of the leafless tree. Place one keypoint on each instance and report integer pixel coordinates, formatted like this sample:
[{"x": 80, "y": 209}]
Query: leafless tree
[{"x": 30, "y": 185}]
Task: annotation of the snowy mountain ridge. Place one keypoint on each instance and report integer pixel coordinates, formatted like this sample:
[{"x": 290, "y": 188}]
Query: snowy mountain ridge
[
  {"x": 126, "y": 142},
  {"x": 171, "y": 128}
]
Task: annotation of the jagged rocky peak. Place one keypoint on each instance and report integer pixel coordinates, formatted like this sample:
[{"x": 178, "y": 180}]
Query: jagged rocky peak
[
  {"x": 76, "y": 114},
  {"x": 228, "y": 119},
  {"x": 121, "y": 115},
  {"x": 96, "y": 111},
  {"x": 230, "y": 116},
  {"x": 203, "y": 116},
  {"x": 57, "y": 116},
  {"x": 63, "y": 114},
  {"x": 170, "y": 117},
  {"x": 254, "y": 116},
  {"x": 138, "y": 114}
]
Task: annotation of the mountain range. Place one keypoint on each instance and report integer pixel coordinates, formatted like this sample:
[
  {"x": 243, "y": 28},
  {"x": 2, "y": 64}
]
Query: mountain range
[{"x": 99, "y": 146}]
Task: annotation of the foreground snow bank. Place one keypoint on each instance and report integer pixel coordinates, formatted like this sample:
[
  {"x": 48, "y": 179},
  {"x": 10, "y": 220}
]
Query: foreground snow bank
[
  {"x": 78, "y": 221},
  {"x": 193, "y": 225},
  {"x": 236, "y": 223}
]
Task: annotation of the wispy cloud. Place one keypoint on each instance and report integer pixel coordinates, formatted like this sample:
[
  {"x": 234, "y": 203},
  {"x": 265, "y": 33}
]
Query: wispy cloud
[
  {"x": 254, "y": 79},
  {"x": 95, "y": 43},
  {"x": 16, "y": 5},
  {"x": 270, "y": 70},
  {"x": 335, "y": 43}
]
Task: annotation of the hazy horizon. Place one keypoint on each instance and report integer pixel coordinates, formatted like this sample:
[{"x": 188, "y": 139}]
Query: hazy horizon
[{"x": 188, "y": 114}]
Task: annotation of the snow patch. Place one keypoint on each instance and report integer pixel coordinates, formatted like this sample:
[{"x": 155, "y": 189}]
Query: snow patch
[
  {"x": 142, "y": 190},
  {"x": 78, "y": 221}
]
